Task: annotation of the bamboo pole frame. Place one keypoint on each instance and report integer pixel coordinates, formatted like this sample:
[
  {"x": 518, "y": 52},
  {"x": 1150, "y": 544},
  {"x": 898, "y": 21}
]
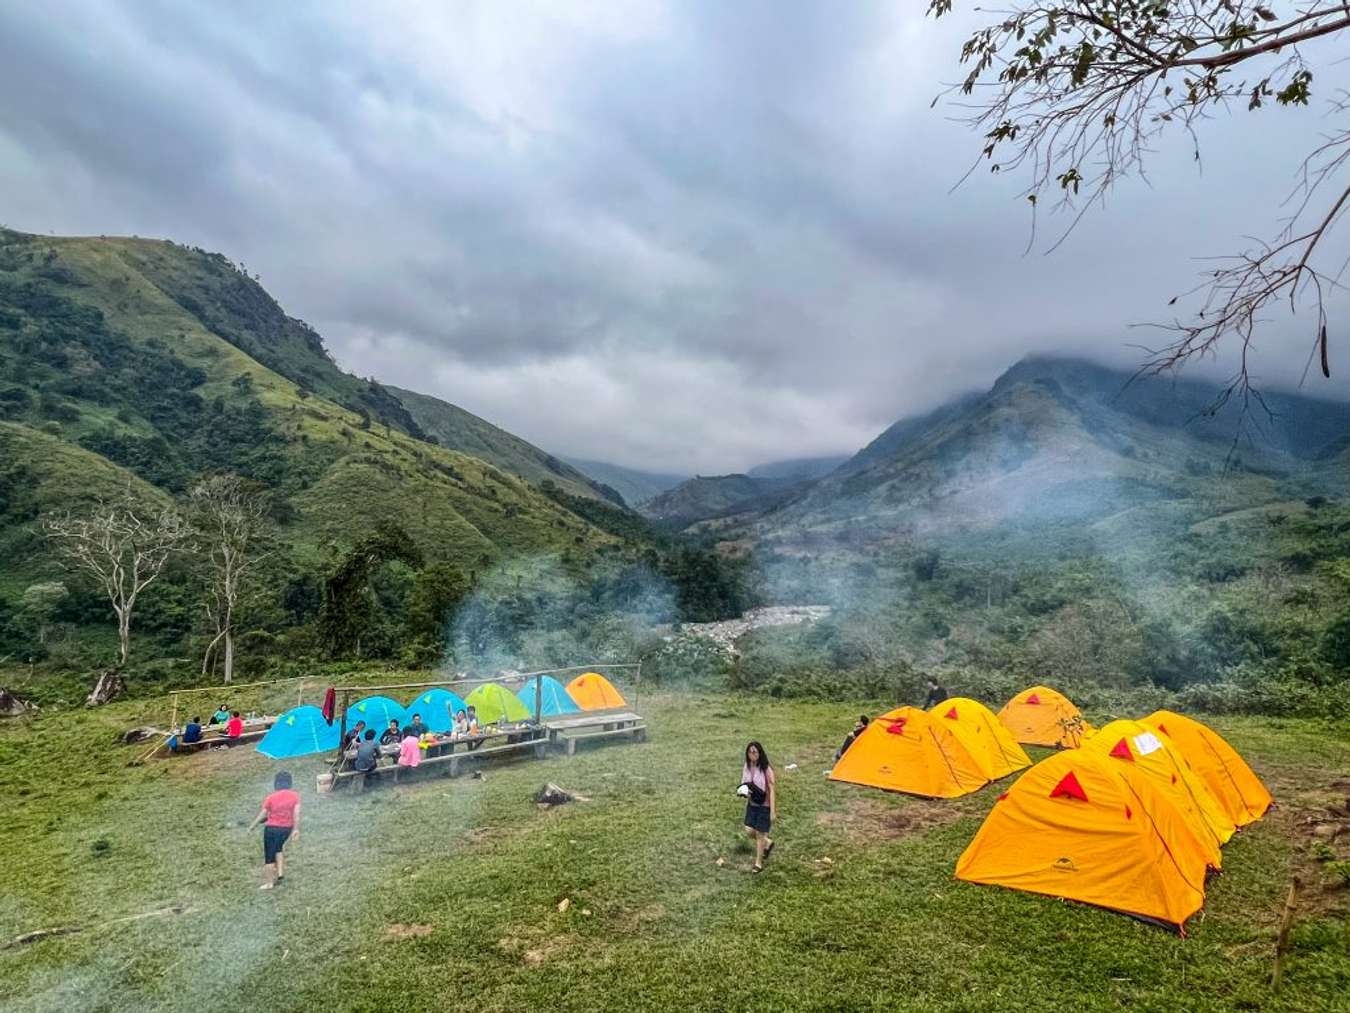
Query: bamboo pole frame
[{"x": 343, "y": 694}]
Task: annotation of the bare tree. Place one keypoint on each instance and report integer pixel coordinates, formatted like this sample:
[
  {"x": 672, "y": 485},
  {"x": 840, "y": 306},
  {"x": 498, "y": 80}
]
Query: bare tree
[
  {"x": 228, "y": 515},
  {"x": 123, "y": 546},
  {"x": 1075, "y": 94}
]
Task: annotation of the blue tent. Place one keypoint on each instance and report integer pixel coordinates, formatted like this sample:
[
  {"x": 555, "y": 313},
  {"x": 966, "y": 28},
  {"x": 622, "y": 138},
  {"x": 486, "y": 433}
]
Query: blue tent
[
  {"x": 299, "y": 732},
  {"x": 376, "y": 712},
  {"x": 437, "y": 707},
  {"x": 553, "y": 695}
]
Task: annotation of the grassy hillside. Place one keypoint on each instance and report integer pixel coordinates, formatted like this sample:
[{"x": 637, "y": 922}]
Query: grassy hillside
[
  {"x": 132, "y": 361},
  {"x": 635, "y": 486},
  {"x": 450, "y": 890},
  {"x": 459, "y": 430},
  {"x": 96, "y": 352}
]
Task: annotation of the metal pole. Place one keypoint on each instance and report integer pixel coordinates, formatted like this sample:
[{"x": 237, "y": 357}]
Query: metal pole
[
  {"x": 637, "y": 687},
  {"x": 173, "y": 718},
  {"x": 538, "y": 699}
]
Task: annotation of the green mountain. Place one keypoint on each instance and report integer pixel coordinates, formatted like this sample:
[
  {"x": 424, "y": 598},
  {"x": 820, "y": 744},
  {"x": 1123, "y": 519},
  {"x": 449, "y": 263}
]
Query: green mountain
[
  {"x": 798, "y": 467},
  {"x": 459, "y": 430},
  {"x": 636, "y": 487},
  {"x": 130, "y": 361},
  {"x": 706, "y": 498},
  {"x": 1063, "y": 441}
]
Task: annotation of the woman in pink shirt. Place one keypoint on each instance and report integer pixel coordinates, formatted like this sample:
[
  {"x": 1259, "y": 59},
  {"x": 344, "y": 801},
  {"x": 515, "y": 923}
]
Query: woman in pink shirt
[
  {"x": 281, "y": 814},
  {"x": 409, "y": 751}
]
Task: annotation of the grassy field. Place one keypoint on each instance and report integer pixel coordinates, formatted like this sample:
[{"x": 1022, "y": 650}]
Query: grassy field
[{"x": 445, "y": 894}]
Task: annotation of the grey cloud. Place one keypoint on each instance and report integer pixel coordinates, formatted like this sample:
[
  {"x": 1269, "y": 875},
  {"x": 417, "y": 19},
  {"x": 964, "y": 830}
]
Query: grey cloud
[{"x": 674, "y": 235}]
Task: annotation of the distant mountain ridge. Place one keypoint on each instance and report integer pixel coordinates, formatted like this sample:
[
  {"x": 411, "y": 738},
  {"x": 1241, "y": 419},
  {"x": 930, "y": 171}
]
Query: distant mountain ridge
[
  {"x": 708, "y": 497},
  {"x": 634, "y": 485},
  {"x": 1062, "y": 440},
  {"x": 799, "y": 467}
]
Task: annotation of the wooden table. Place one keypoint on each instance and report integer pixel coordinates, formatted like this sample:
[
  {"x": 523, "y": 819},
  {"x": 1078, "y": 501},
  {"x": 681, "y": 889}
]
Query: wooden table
[
  {"x": 441, "y": 751},
  {"x": 214, "y": 735},
  {"x": 568, "y": 731}
]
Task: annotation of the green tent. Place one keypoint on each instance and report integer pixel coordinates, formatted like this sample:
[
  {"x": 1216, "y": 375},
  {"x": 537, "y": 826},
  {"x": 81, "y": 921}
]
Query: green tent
[{"x": 495, "y": 704}]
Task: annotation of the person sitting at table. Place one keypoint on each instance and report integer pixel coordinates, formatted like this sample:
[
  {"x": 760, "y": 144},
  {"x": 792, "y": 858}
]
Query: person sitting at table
[
  {"x": 409, "y": 750},
  {"x": 355, "y": 735},
  {"x": 193, "y": 731},
  {"x": 234, "y": 727},
  {"x": 221, "y": 715},
  {"x": 367, "y": 753},
  {"x": 461, "y": 723},
  {"x": 473, "y": 727},
  {"x": 392, "y": 736},
  {"x": 417, "y": 728}
]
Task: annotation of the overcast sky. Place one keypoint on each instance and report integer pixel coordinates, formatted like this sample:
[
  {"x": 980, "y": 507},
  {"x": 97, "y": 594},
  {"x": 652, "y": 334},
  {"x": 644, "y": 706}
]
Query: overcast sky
[{"x": 685, "y": 236}]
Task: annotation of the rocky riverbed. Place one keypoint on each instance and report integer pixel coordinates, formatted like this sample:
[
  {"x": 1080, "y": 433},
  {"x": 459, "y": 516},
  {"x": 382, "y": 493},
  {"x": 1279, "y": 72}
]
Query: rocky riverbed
[{"x": 726, "y": 632}]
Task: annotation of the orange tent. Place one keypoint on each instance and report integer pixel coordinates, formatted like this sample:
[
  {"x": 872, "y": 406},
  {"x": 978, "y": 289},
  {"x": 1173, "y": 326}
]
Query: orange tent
[
  {"x": 593, "y": 692},
  {"x": 1239, "y": 791},
  {"x": 1040, "y": 716},
  {"x": 908, "y": 750},
  {"x": 1080, "y": 826},
  {"x": 1136, "y": 743},
  {"x": 986, "y": 740}
]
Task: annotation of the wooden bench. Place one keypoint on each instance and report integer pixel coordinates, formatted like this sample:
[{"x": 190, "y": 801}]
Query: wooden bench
[
  {"x": 570, "y": 738},
  {"x": 212, "y": 741},
  {"x": 450, "y": 761}
]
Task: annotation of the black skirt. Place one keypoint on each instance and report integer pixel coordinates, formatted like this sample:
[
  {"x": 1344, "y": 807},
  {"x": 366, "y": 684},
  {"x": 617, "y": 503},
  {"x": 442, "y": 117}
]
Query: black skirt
[{"x": 757, "y": 817}]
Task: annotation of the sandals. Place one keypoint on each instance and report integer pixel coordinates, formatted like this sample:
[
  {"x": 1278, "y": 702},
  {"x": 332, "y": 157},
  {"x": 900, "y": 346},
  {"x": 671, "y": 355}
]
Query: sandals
[
  {"x": 769, "y": 850},
  {"x": 756, "y": 868}
]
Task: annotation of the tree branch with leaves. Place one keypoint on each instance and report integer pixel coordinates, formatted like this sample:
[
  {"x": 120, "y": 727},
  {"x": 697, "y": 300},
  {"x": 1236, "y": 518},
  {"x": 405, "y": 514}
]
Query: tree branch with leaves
[
  {"x": 1075, "y": 95},
  {"x": 123, "y": 547}
]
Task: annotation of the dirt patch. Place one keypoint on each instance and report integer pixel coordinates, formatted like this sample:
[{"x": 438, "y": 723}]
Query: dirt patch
[
  {"x": 398, "y": 932},
  {"x": 870, "y": 820},
  {"x": 636, "y": 920},
  {"x": 535, "y": 952},
  {"x": 1313, "y": 815}
]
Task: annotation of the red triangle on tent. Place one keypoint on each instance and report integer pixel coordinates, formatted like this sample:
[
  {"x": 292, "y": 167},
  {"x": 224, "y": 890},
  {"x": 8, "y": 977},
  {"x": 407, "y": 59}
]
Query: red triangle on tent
[
  {"x": 1163, "y": 728},
  {"x": 1069, "y": 787},
  {"x": 1128, "y": 815},
  {"x": 1001, "y": 797},
  {"x": 1121, "y": 751},
  {"x": 1174, "y": 778},
  {"x": 897, "y": 727},
  {"x": 1034, "y": 698},
  {"x": 950, "y": 714}
]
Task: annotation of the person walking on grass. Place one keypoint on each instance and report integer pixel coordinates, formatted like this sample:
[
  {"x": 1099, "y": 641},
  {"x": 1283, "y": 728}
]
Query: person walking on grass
[
  {"x": 280, "y": 814},
  {"x": 761, "y": 807}
]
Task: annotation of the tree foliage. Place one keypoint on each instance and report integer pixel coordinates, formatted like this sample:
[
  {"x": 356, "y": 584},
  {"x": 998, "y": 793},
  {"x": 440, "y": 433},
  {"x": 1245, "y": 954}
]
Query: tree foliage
[
  {"x": 1075, "y": 95},
  {"x": 347, "y": 611}
]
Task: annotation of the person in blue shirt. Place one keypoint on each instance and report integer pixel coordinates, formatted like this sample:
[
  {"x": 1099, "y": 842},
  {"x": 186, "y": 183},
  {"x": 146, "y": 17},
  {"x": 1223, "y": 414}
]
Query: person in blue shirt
[{"x": 193, "y": 731}]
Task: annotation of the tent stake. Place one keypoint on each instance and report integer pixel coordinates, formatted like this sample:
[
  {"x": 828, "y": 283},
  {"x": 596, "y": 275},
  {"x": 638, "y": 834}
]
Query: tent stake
[{"x": 1282, "y": 940}]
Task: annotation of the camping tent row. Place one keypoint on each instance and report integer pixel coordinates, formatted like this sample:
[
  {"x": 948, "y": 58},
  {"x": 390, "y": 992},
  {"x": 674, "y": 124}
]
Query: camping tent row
[
  {"x": 955, "y": 748},
  {"x": 304, "y": 730},
  {"x": 1132, "y": 820}
]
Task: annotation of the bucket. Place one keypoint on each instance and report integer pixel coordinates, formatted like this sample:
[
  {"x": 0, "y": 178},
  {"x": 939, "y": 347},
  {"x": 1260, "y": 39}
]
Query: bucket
[{"x": 325, "y": 783}]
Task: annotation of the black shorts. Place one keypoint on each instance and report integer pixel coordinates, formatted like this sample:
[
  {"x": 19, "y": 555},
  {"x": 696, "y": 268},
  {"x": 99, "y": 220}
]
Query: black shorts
[
  {"x": 757, "y": 817},
  {"x": 274, "y": 838}
]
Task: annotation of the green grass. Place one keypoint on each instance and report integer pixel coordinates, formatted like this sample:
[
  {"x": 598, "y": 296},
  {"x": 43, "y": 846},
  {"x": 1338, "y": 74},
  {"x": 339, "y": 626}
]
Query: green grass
[{"x": 883, "y": 926}]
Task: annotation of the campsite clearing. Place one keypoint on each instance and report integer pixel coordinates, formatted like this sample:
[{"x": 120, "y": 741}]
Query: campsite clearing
[{"x": 848, "y": 914}]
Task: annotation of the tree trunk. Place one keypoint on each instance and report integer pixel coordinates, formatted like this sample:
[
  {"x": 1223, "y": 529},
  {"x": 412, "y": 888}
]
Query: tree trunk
[
  {"x": 229, "y": 655},
  {"x": 109, "y": 686},
  {"x": 124, "y": 637}
]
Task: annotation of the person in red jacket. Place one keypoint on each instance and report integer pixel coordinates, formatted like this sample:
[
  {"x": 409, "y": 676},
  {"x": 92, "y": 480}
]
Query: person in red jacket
[
  {"x": 280, "y": 813},
  {"x": 234, "y": 727}
]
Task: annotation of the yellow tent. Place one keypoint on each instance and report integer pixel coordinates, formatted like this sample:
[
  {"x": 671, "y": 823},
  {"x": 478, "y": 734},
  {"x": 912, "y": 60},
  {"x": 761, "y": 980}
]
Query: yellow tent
[
  {"x": 908, "y": 750},
  {"x": 1136, "y": 743},
  {"x": 986, "y": 740},
  {"x": 1243, "y": 797},
  {"x": 1081, "y": 826},
  {"x": 1040, "y": 716},
  {"x": 593, "y": 692}
]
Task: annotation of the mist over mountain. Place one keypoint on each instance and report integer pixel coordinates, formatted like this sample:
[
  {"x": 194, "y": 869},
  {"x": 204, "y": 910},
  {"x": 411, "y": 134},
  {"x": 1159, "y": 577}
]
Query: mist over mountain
[
  {"x": 634, "y": 485},
  {"x": 799, "y": 468}
]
